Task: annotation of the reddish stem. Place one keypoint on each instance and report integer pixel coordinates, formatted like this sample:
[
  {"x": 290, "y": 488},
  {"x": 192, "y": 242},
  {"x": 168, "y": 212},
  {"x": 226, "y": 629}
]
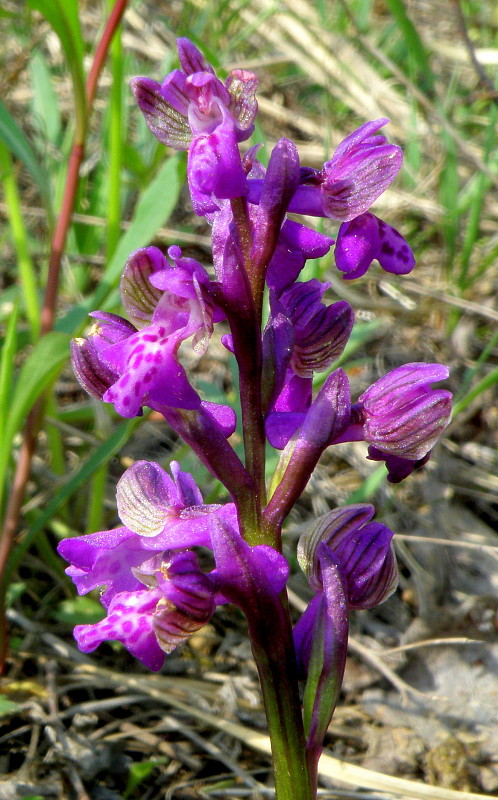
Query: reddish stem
[{"x": 33, "y": 424}]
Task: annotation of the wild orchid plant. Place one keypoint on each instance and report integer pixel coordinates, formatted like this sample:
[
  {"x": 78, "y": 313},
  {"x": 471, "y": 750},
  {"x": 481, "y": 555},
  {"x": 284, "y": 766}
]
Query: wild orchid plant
[{"x": 157, "y": 594}]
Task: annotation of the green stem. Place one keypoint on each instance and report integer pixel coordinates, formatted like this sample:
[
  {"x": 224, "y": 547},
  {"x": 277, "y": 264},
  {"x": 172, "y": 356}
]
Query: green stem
[
  {"x": 115, "y": 143},
  {"x": 273, "y": 651},
  {"x": 245, "y": 325},
  {"x": 20, "y": 239}
]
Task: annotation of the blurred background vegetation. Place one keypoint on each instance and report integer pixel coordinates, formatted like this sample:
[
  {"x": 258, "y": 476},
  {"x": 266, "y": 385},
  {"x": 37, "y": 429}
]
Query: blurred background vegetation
[{"x": 324, "y": 67}]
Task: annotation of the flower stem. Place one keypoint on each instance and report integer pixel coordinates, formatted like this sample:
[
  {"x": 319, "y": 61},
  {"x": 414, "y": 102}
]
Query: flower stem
[
  {"x": 245, "y": 325},
  {"x": 273, "y": 652}
]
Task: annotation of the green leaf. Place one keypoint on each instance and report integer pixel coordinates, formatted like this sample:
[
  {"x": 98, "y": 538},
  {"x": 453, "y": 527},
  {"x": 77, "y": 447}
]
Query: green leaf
[
  {"x": 137, "y": 774},
  {"x": 414, "y": 45},
  {"x": 62, "y": 15},
  {"x": 46, "y": 114},
  {"x": 13, "y": 137},
  {"x": 37, "y": 372},
  {"x": 7, "y": 367},
  {"x": 79, "y": 611},
  {"x": 8, "y": 706}
]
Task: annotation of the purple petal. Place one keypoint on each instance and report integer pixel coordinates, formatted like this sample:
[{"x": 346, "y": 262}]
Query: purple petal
[
  {"x": 363, "y": 134},
  {"x": 243, "y": 573},
  {"x": 94, "y": 377},
  {"x": 303, "y": 634},
  {"x": 357, "y": 245},
  {"x": 129, "y": 621},
  {"x": 173, "y": 91},
  {"x": 168, "y": 125},
  {"x": 144, "y": 497},
  {"x": 241, "y": 85},
  {"x": 402, "y": 415},
  {"x": 214, "y": 168},
  {"x": 280, "y": 183},
  {"x": 340, "y": 523},
  {"x": 103, "y": 559},
  {"x": 362, "y": 549},
  {"x": 398, "y": 468},
  {"x": 320, "y": 332},
  {"x": 191, "y": 58},
  {"x": 186, "y": 492},
  {"x": 149, "y": 372},
  {"x": 402, "y": 385},
  {"x": 393, "y": 254},
  {"x": 187, "y": 603},
  {"x": 369, "y": 564},
  {"x": 328, "y": 414},
  {"x": 278, "y": 340},
  {"x": 139, "y": 295},
  {"x": 295, "y": 245},
  {"x": 280, "y": 426},
  {"x": 361, "y": 169},
  {"x": 224, "y": 416}
]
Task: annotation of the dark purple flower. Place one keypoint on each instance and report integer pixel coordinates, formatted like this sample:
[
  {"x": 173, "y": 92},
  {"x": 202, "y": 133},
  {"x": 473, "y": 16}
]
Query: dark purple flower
[
  {"x": 361, "y": 169},
  {"x": 244, "y": 573},
  {"x": 288, "y": 410},
  {"x": 349, "y": 562},
  {"x": 153, "y": 621},
  {"x": 400, "y": 414},
  {"x": 320, "y": 332},
  {"x": 398, "y": 468},
  {"x": 361, "y": 548},
  {"x": 193, "y": 110},
  {"x": 367, "y": 237}
]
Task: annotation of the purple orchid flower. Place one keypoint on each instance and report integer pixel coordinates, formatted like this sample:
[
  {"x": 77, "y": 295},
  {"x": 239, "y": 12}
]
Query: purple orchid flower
[
  {"x": 361, "y": 169},
  {"x": 129, "y": 367},
  {"x": 158, "y": 513},
  {"x": 157, "y": 595},
  {"x": 280, "y": 247},
  {"x": 193, "y": 110},
  {"x": 402, "y": 417},
  {"x": 350, "y": 564}
]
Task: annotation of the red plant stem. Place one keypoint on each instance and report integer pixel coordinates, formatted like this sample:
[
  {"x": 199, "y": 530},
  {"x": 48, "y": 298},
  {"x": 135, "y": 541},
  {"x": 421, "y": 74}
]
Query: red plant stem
[
  {"x": 35, "y": 416},
  {"x": 59, "y": 237},
  {"x": 102, "y": 49},
  {"x": 71, "y": 187}
]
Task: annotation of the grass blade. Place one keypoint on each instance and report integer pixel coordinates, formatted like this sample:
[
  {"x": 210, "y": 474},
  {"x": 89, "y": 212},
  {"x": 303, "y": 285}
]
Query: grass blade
[{"x": 13, "y": 137}]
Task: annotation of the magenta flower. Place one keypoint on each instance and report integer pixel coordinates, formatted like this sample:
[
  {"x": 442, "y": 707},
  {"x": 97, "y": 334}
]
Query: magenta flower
[
  {"x": 361, "y": 169},
  {"x": 349, "y": 563},
  {"x": 402, "y": 417},
  {"x": 156, "y": 593},
  {"x": 367, "y": 237},
  {"x": 129, "y": 367},
  {"x": 158, "y": 513},
  {"x": 193, "y": 110}
]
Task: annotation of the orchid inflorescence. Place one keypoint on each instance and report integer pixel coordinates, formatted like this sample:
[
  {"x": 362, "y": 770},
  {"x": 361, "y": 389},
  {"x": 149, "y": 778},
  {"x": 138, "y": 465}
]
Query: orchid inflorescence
[{"x": 157, "y": 594}]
